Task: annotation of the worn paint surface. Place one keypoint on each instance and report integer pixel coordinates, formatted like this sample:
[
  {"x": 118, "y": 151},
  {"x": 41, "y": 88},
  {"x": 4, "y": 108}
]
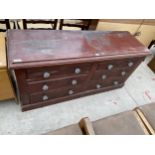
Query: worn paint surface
[{"x": 42, "y": 45}]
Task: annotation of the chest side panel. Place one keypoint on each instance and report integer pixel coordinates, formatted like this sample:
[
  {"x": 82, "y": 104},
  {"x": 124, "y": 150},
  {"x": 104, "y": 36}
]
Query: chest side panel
[{"x": 22, "y": 86}]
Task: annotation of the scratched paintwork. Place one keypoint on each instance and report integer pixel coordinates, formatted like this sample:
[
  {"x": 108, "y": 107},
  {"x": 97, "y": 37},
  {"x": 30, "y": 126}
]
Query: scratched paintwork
[{"x": 45, "y": 45}]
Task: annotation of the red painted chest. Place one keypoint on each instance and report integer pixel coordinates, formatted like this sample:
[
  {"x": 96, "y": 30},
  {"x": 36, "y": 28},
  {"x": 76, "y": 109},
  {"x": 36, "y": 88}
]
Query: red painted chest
[{"x": 53, "y": 66}]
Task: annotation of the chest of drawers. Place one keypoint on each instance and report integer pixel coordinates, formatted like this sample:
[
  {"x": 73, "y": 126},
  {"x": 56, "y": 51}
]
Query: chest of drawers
[{"x": 54, "y": 66}]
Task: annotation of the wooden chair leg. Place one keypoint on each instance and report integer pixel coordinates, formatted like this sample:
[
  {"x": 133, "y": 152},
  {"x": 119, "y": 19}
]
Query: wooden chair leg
[
  {"x": 86, "y": 126},
  {"x": 141, "y": 123},
  {"x": 55, "y": 24},
  {"x": 145, "y": 121},
  {"x": 24, "y": 24},
  {"x": 7, "y": 24},
  {"x": 61, "y": 24}
]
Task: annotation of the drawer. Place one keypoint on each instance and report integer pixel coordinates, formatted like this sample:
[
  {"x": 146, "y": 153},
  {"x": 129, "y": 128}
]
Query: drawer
[
  {"x": 99, "y": 84},
  {"x": 105, "y": 75},
  {"x": 47, "y": 85},
  {"x": 58, "y": 71},
  {"x": 54, "y": 94},
  {"x": 117, "y": 64}
]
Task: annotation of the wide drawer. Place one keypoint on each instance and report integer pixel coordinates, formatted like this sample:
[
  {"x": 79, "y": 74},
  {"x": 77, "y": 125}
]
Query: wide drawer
[
  {"x": 46, "y": 96},
  {"x": 58, "y": 71},
  {"x": 117, "y": 64},
  {"x": 47, "y": 85}
]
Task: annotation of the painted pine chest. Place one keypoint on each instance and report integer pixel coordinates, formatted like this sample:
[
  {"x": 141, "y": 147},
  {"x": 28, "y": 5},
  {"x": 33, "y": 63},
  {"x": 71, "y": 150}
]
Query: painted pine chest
[{"x": 6, "y": 89}]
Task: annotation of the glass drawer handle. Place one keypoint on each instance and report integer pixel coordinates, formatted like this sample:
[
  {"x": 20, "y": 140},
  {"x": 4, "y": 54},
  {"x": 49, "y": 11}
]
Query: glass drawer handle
[
  {"x": 46, "y": 75},
  {"x": 104, "y": 77},
  {"x": 110, "y": 67},
  {"x": 130, "y": 64},
  {"x": 123, "y": 73},
  {"x": 98, "y": 86},
  {"x": 74, "y": 82},
  {"x": 115, "y": 82},
  {"x": 77, "y": 70},
  {"x": 45, "y": 87},
  {"x": 45, "y": 97},
  {"x": 70, "y": 92}
]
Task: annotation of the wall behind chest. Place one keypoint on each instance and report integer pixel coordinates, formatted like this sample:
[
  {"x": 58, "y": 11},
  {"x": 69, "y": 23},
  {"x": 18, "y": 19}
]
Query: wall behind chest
[{"x": 145, "y": 29}]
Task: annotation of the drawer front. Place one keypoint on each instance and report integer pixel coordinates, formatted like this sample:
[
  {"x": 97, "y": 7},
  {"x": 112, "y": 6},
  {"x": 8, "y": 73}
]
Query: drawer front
[
  {"x": 48, "y": 85},
  {"x": 99, "y": 84},
  {"x": 58, "y": 71},
  {"x": 104, "y": 75},
  {"x": 50, "y": 95},
  {"x": 118, "y": 64}
]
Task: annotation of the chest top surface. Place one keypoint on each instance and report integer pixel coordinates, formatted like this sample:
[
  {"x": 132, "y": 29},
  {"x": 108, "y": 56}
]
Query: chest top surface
[
  {"x": 42, "y": 46},
  {"x": 2, "y": 51}
]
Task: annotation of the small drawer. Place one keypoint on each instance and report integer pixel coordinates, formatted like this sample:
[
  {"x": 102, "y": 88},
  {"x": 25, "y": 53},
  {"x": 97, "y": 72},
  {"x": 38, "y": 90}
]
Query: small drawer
[
  {"x": 99, "y": 84},
  {"x": 50, "y": 95},
  {"x": 111, "y": 65},
  {"x": 58, "y": 71},
  {"x": 105, "y": 75},
  {"x": 44, "y": 86}
]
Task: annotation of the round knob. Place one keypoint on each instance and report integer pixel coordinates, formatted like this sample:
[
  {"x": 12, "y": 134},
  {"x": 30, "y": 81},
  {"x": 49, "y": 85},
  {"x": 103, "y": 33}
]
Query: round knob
[
  {"x": 123, "y": 73},
  {"x": 115, "y": 82},
  {"x": 74, "y": 82},
  {"x": 110, "y": 67},
  {"x": 77, "y": 70},
  {"x": 97, "y": 54},
  {"x": 98, "y": 86},
  {"x": 45, "y": 97},
  {"x": 104, "y": 77},
  {"x": 70, "y": 92},
  {"x": 46, "y": 75},
  {"x": 45, "y": 87},
  {"x": 130, "y": 64}
]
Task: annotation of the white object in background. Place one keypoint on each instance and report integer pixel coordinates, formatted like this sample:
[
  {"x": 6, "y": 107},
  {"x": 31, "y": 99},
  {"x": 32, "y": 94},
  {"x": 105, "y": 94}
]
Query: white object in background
[{"x": 152, "y": 49}]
